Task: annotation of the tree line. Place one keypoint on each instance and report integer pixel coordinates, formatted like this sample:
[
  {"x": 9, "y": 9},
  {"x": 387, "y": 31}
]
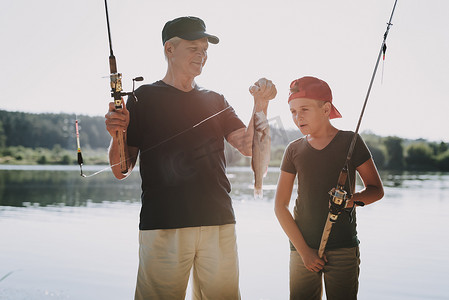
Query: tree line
[
  {"x": 47, "y": 130},
  {"x": 27, "y": 138},
  {"x": 51, "y": 139},
  {"x": 395, "y": 153}
]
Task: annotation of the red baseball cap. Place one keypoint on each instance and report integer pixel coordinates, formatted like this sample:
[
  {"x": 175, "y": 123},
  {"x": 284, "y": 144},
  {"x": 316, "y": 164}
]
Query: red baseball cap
[{"x": 313, "y": 88}]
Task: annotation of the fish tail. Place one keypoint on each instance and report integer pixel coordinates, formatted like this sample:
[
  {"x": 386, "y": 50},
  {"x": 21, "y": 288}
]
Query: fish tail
[{"x": 258, "y": 193}]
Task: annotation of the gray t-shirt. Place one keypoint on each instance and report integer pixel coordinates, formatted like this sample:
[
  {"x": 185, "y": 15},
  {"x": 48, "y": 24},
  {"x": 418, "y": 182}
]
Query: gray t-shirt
[{"x": 318, "y": 172}]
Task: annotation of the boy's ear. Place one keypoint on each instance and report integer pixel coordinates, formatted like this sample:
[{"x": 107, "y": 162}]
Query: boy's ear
[{"x": 327, "y": 108}]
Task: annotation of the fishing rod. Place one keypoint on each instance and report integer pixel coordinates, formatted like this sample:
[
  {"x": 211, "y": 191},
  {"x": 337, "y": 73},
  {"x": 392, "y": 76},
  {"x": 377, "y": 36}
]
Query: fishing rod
[
  {"x": 80, "y": 155},
  {"x": 117, "y": 93},
  {"x": 338, "y": 196},
  {"x": 150, "y": 148}
]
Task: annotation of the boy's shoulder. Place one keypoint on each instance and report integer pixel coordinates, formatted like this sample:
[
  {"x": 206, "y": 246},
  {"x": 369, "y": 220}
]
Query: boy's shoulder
[
  {"x": 345, "y": 133},
  {"x": 348, "y": 135},
  {"x": 343, "y": 136},
  {"x": 296, "y": 142},
  {"x": 296, "y": 145}
]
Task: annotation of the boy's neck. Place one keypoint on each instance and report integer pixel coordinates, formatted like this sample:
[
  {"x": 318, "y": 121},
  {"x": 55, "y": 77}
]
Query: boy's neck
[{"x": 321, "y": 138}]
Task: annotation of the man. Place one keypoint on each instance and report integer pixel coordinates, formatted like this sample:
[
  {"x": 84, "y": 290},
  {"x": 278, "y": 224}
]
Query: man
[{"x": 178, "y": 130}]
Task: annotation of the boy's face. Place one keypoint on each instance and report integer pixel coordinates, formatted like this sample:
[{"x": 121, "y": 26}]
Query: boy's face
[{"x": 309, "y": 115}]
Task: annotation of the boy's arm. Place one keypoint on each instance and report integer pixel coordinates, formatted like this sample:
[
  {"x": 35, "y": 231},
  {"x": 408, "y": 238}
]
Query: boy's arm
[
  {"x": 283, "y": 194},
  {"x": 373, "y": 190}
]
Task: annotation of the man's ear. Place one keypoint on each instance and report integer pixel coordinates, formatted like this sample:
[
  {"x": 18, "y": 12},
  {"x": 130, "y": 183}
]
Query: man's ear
[{"x": 168, "y": 48}]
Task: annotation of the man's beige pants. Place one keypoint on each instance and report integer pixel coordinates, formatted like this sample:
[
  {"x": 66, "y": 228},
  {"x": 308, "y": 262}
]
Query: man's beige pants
[
  {"x": 341, "y": 276},
  {"x": 166, "y": 258}
]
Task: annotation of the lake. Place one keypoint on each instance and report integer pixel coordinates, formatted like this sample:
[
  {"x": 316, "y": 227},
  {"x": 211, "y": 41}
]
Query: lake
[{"x": 67, "y": 237}]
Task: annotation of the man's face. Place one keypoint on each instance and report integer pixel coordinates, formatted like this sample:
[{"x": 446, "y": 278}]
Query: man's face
[{"x": 189, "y": 57}]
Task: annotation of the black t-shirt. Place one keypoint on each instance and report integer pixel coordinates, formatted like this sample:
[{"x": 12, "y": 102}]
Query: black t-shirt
[
  {"x": 318, "y": 172},
  {"x": 182, "y": 162}
]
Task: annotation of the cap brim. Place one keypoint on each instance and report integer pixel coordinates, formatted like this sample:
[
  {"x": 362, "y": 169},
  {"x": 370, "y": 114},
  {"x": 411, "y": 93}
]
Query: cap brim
[
  {"x": 334, "y": 114},
  {"x": 191, "y": 36}
]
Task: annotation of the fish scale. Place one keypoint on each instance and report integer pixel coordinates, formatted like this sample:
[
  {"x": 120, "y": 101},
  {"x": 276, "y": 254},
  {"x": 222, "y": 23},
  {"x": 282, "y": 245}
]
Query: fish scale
[{"x": 260, "y": 152}]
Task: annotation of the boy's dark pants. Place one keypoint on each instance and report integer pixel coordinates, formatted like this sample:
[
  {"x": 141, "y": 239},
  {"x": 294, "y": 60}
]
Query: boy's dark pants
[{"x": 341, "y": 276}]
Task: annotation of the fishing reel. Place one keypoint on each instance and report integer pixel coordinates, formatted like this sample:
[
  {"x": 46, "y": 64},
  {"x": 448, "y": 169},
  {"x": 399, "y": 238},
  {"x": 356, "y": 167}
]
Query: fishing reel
[
  {"x": 338, "y": 201},
  {"x": 116, "y": 85},
  {"x": 116, "y": 88}
]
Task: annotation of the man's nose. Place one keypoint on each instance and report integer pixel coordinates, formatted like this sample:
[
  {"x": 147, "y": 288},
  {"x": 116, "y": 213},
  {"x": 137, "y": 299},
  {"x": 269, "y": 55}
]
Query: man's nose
[{"x": 201, "y": 53}]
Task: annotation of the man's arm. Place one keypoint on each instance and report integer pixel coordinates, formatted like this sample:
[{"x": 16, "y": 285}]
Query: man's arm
[
  {"x": 242, "y": 139},
  {"x": 115, "y": 121}
]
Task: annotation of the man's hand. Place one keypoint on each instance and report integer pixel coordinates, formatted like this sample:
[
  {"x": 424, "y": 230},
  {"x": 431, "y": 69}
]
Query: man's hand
[
  {"x": 116, "y": 120},
  {"x": 242, "y": 139},
  {"x": 263, "y": 91}
]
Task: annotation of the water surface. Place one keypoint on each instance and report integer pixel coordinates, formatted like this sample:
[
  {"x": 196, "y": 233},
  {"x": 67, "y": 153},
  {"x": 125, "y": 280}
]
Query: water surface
[{"x": 67, "y": 237}]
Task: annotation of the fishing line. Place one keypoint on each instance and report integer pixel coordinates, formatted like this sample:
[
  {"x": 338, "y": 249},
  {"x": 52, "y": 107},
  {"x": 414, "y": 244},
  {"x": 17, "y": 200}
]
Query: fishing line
[
  {"x": 339, "y": 196},
  {"x": 158, "y": 144},
  {"x": 80, "y": 156},
  {"x": 383, "y": 48}
]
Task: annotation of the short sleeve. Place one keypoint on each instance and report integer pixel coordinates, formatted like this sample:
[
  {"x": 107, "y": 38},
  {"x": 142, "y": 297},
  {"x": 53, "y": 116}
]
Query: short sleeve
[
  {"x": 229, "y": 120},
  {"x": 133, "y": 134},
  {"x": 361, "y": 153},
  {"x": 287, "y": 162}
]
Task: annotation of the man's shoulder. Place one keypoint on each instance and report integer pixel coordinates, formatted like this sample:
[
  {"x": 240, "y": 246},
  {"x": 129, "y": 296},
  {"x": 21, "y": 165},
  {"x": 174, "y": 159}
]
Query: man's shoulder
[
  {"x": 151, "y": 86},
  {"x": 163, "y": 88},
  {"x": 209, "y": 93}
]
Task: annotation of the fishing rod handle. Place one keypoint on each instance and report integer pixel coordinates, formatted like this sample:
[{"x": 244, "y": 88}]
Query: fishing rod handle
[
  {"x": 121, "y": 146},
  {"x": 325, "y": 236},
  {"x": 342, "y": 177},
  {"x": 118, "y": 100},
  {"x": 112, "y": 64}
]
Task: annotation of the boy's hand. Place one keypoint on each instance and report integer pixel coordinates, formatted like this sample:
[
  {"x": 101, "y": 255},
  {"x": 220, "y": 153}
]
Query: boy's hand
[
  {"x": 312, "y": 261},
  {"x": 116, "y": 120}
]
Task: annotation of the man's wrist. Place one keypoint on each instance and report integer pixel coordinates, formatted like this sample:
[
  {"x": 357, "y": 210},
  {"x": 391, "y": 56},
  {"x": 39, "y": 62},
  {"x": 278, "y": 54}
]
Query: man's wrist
[{"x": 258, "y": 106}]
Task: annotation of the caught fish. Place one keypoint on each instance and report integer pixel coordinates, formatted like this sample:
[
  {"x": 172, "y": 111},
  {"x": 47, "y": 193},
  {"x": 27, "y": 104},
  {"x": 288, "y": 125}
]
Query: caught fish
[{"x": 261, "y": 152}]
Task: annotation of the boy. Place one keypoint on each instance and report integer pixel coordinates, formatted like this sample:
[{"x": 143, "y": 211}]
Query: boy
[{"x": 317, "y": 159}]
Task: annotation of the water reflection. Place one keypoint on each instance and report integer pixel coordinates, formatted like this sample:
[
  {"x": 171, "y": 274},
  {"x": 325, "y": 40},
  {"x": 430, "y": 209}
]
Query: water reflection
[
  {"x": 63, "y": 185},
  {"x": 44, "y": 187},
  {"x": 430, "y": 180}
]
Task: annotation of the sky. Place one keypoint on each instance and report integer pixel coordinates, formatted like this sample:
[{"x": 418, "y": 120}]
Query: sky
[{"x": 54, "y": 56}]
